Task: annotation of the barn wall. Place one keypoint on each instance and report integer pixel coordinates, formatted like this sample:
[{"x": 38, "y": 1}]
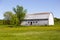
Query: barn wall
[
  {"x": 51, "y": 19},
  {"x": 25, "y": 23},
  {"x": 44, "y": 22},
  {"x": 41, "y": 22}
]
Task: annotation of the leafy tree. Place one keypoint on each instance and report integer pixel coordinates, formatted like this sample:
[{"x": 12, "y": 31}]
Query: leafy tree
[
  {"x": 14, "y": 19},
  {"x": 1, "y": 22},
  {"x": 56, "y": 19},
  {"x": 8, "y": 16},
  {"x": 20, "y": 12}
]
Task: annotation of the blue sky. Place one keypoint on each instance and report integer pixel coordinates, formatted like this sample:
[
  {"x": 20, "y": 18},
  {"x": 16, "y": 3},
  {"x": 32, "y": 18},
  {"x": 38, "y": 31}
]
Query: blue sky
[{"x": 32, "y": 6}]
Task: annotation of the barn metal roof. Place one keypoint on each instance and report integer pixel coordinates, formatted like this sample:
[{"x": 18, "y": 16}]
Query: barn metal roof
[{"x": 43, "y": 15}]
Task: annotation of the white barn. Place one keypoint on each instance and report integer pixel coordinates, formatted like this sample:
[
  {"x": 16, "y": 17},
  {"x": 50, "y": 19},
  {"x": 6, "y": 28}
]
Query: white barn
[{"x": 45, "y": 18}]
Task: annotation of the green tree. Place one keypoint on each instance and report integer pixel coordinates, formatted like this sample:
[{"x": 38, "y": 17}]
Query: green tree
[
  {"x": 8, "y": 16},
  {"x": 20, "y": 12},
  {"x": 14, "y": 19},
  {"x": 56, "y": 19}
]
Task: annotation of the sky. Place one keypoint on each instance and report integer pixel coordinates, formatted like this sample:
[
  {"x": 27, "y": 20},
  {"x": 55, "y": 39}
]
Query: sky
[{"x": 32, "y": 6}]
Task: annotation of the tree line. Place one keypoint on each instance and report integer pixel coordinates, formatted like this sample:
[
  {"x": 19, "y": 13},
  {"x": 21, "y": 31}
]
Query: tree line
[
  {"x": 15, "y": 18},
  {"x": 57, "y": 21}
]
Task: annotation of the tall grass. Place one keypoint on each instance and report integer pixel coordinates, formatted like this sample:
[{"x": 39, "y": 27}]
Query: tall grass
[{"x": 29, "y": 32}]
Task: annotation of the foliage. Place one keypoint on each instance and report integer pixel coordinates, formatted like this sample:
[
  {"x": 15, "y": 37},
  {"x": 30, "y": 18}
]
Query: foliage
[
  {"x": 1, "y": 22},
  {"x": 20, "y": 12},
  {"x": 10, "y": 18},
  {"x": 14, "y": 19},
  {"x": 56, "y": 19}
]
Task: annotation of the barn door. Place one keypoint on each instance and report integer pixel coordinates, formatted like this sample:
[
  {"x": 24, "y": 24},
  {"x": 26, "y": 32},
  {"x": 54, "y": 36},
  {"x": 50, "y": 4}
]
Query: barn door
[{"x": 30, "y": 23}]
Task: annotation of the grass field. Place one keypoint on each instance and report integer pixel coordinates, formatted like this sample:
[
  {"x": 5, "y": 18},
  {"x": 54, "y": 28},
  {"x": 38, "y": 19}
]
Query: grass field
[{"x": 29, "y": 33}]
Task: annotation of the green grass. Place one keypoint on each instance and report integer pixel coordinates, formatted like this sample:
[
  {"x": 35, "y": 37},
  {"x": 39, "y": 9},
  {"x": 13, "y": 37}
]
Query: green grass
[
  {"x": 29, "y": 32},
  {"x": 31, "y": 35}
]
